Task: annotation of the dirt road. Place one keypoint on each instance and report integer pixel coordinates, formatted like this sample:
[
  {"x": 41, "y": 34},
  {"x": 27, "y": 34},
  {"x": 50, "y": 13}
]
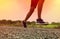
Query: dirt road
[{"x": 12, "y": 32}]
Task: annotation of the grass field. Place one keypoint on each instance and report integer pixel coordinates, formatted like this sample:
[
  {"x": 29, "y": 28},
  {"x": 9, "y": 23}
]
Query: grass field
[
  {"x": 44, "y": 26},
  {"x": 29, "y": 24}
]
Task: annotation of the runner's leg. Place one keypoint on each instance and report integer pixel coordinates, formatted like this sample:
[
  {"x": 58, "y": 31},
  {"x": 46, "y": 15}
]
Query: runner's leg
[
  {"x": 40, "y": 6},
  {"x": 32, "y": 8}
]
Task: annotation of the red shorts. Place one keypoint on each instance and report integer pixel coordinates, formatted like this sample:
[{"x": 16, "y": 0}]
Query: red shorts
[{"x": 34, "y": 3}]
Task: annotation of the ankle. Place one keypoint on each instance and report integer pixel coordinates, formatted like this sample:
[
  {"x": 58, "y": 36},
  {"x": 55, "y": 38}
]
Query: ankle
[
  {"x": 24, "y": 20},
  {"x": 39, "y": 19}
]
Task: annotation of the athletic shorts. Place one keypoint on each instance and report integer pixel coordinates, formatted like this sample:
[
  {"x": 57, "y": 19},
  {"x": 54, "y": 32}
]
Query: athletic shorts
[{"x": 34, "y": 3}]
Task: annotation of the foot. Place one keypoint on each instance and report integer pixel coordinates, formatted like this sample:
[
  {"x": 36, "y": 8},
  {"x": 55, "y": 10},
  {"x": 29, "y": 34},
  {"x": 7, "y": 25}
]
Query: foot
[
  {"x": 40, "y": 21},
  {"x": 24, "y": 24}
]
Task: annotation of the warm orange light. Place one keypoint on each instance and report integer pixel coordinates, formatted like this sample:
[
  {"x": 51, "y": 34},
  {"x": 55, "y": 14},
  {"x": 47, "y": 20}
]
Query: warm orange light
[{"x": 17, "y": 10}]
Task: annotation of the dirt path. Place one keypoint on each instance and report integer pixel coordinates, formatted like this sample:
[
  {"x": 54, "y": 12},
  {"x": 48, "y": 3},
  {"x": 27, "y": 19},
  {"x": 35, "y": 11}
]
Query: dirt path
[{"x": 11, "y": 32}]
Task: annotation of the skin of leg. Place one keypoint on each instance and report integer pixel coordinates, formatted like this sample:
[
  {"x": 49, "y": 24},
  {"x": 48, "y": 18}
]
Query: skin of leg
[
  {"x": 29, "y": 13},
  {"x": 40, "y": 6},
  {"x": 32, "y": 8}
]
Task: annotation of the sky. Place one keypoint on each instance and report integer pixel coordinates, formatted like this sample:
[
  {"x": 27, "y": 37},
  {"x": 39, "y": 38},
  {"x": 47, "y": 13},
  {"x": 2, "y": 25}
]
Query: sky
[{"x": 18, "y": 9}]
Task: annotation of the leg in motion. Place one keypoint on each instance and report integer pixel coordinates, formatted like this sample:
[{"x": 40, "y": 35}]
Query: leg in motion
[
  {"x": 32, "y": 8},
  {"x": 40, "y": 6}
]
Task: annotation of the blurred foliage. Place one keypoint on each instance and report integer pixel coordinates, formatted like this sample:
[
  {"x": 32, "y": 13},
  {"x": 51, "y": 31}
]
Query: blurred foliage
[
  {"x": 9, "y": 22},
  {"x": 30, "y": 24}
]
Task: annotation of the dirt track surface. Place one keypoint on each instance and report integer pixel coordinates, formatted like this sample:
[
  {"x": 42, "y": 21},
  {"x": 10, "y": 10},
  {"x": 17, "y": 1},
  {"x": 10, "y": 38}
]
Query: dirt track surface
[{"x": 12, "y": 32}]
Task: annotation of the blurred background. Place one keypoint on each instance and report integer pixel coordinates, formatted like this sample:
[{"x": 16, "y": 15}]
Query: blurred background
[{"x": 18, "y": 9}]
